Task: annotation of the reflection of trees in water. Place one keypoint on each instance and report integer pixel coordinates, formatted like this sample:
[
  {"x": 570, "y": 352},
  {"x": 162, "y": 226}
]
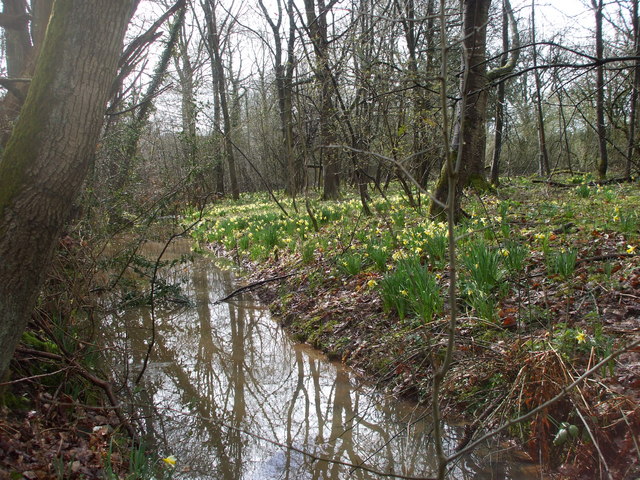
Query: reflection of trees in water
[{"x": 232, "y": 365}]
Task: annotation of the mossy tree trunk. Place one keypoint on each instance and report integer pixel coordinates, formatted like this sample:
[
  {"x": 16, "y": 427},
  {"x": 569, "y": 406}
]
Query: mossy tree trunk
[
  {"x": 470, "y": 138},
  {"x": 50, "y": 149},
  {"x": 603, "y": 161}
]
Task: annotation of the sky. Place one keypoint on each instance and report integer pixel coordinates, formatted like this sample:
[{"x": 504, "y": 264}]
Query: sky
[{"x": 553, "y": 16}]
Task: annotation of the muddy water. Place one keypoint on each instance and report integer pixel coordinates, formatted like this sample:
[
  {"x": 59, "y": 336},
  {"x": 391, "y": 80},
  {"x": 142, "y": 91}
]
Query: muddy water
[{"x": 226, "y": 391}]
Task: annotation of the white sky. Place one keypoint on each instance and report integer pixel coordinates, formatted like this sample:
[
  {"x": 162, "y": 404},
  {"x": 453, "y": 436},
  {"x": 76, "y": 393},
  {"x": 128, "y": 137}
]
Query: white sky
[{"x": 571, "y": 17}]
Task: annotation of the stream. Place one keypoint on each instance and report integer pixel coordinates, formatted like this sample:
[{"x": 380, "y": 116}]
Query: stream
[{"x": 226, "y": 390}]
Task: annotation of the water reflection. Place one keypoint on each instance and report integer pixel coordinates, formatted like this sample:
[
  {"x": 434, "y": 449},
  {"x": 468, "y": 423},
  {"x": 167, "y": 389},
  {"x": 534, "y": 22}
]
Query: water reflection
[{"x": 226, "y": 389}]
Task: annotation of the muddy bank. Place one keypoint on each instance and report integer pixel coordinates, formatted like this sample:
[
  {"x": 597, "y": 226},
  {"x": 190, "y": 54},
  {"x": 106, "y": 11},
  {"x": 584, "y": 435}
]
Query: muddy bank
[{"x": 498, "y": 373}]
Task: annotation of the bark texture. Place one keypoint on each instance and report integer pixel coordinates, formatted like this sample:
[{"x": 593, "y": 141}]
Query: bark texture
[
  {"x": 470, "y": 138},
  {"x": 50, "y": 150}
]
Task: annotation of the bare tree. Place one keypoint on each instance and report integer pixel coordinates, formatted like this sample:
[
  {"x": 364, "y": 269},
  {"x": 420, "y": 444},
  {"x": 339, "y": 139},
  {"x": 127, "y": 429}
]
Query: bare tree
[
  {"x": 284, "y": 70},
  {"x": 214, "y": 47},
  {"x": 543, "y": 152},
  {"x": 317, "y": 29}
]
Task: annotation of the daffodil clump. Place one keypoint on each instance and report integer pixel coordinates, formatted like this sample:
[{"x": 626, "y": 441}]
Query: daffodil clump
[{"x": 399, "y": 253}]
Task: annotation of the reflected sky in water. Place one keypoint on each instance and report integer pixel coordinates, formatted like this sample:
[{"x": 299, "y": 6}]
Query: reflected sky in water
[{"x": 226, "y": 389}]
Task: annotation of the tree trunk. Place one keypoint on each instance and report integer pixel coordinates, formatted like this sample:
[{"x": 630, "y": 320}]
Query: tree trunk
[
  {"x": 213, "y": 45},
  {"x": 317, "y": 30},
  {"x": 603, "y": 162},
  {"x": 500, "y": 102},
  {"x": 469, "y": 138},
  {"x": 23, "y": 40},
  {"x": 18, "y": 41},
  {"x": 49, "y": 152},
  {"x": 543, "y": 153},
  {"x": 185, "y": 70},
  {"x": 284, "y": 90},
  {"x": 632, "y": 147}
]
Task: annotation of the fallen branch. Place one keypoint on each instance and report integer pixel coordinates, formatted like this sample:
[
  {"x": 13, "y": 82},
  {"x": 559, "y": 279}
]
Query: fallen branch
[
  {"x": 103, "y": 384},
  {"x": 555, "y": 184},
  {"x": 251, "y": 286},
  {"x": 606, "y": 256}
]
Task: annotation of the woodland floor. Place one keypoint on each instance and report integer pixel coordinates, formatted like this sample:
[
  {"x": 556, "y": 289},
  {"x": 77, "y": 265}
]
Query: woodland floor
[
  {"x": 46, "y": 434},
  {"x": 547, "y": 332}
]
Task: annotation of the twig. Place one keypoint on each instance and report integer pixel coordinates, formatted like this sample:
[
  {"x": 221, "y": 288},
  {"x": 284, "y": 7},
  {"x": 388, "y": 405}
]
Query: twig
[
  {"x": 546, "y": 404},
  {"x": 251, "y": 286},
  {"x": 32, "y": 377},
  {"x": 103, "y": 384},
  {"x": 595, "y": 443},
  {"x": 451, "y": 156}
]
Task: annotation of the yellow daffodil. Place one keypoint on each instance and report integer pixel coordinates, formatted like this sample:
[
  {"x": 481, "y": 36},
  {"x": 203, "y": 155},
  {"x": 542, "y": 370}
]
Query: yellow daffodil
[
  {"x": 372, "y": 283},
  {"x": 581, "y": 337},
  {"x": 170, "y": 460},
  {"x": 631, "y": 249}
]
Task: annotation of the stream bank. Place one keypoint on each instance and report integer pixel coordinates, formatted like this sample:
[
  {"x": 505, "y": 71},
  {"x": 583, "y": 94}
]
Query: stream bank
[
  {"x": 547, "y": 327},
  {"x": 489, "y": 382}
]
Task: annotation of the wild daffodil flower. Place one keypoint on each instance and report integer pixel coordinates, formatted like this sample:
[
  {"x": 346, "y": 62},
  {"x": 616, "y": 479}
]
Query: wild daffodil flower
[{"x": 170, "y": 460}]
